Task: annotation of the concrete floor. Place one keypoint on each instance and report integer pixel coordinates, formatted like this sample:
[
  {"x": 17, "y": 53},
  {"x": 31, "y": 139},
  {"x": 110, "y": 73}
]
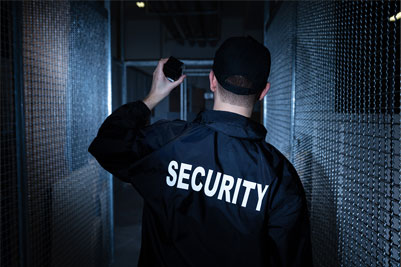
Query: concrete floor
[{"x": 127, "y": 225}]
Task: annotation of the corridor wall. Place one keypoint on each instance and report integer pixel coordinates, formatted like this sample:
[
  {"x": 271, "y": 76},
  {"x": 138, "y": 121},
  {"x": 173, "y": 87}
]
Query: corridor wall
[
  {"x": 334, "y": 111},
  {"x": 55, "y": 198}
]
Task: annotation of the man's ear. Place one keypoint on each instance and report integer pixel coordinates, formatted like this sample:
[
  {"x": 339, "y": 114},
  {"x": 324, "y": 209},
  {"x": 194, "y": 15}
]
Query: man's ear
[
  {"x": 264, "y": 92},
  {"x": 213, "y": 81}
]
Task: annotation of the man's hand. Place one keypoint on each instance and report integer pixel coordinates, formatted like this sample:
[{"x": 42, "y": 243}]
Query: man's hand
[{"x": 161, "y": 87}]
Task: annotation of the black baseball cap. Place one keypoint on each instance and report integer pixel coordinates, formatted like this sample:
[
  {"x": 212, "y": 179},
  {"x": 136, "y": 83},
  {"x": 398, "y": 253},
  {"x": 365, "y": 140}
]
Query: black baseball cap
[{"x": 242, "y": 56}]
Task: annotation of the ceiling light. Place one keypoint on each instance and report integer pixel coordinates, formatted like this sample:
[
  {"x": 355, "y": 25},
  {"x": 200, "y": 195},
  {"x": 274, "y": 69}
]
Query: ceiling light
[{"x": 140, "y": 4}]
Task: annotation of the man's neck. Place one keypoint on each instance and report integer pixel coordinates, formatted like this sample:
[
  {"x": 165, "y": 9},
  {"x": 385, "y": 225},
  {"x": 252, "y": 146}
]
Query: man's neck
[{"x": 247, "y": 112}]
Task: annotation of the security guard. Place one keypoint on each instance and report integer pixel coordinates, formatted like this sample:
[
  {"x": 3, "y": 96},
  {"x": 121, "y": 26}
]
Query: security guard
[{"x": 215, "y": 193}]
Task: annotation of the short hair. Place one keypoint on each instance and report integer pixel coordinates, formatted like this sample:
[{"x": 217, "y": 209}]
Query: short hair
[{"x": 234, "y": 99}]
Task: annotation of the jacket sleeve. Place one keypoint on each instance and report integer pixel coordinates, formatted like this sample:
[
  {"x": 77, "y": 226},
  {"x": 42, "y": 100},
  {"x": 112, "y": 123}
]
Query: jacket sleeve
[
  {"x": 124, "y": 138},
  {"x": 288, "y": 221}
]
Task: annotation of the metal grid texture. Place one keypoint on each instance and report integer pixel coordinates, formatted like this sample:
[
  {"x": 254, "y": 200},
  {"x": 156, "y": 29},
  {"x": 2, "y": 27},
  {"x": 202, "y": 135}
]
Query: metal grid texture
[
  {"x": 9, "y": 247},
  {"x": 346, "y": 145},
  {"x": 278, "y": 102},
  {"x": 65, "y": 90}
]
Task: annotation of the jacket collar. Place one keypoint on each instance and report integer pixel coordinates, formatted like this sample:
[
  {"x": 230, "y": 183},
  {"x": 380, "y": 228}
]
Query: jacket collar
[{"x": 232, "y": 124}]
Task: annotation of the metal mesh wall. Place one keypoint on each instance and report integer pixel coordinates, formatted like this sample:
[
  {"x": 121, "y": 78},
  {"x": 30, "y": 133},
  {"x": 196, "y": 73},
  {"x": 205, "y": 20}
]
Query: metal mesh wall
[
  {"x": 347, "y": 128},
  {"x": 278, "y": 102},
  {"x": 65, "y": 88},
  {"x": 316, "y": 155},
  {"x": 9, "y": 247}
]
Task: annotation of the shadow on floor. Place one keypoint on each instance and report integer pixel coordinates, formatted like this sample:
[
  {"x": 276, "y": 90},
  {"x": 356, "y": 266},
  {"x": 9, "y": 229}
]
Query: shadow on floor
[{"x": 128, "y": 207}]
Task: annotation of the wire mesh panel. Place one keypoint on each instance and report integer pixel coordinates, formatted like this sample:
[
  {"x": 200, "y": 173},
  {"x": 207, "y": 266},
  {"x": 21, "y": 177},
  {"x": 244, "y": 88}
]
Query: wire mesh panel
[
  {"x": 65, "y": 86},
  {"x": 9, "y": 247},
  {"x": 367, "y": 104},
  {"x": 317, "y": 151},
  {"x": 84, "y": 194},
  {"x": 278, "y": 100},
  {"x": 45, "y": 83},
  {"x": 347, "y": 128}
]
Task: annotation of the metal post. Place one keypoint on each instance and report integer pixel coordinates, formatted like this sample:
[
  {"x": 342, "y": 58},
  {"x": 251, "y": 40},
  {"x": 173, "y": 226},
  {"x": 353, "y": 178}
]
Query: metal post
[
  {"x": 292, "y": 133},
  {"x": 109, "y": 101},
  {"x": 183, "y": 100},
  {"x": 122, "y": 56},
  {"x": 266, "y": 19},
  {"x": 20, "y": 133},
  {"x": 184, "y": 84},
  {"x": 188, "y": 62}
]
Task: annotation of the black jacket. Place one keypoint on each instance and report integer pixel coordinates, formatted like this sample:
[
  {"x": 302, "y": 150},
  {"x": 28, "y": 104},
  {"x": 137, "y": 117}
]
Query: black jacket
[{"x": 215, "y": 193}]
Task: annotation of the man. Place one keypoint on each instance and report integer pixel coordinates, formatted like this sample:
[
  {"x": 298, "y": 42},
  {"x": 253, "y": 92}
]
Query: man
[{"x": 215, "y": 193}]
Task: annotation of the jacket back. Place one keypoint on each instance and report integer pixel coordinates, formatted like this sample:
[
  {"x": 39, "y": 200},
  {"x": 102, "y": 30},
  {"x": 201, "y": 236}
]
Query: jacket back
[{"x": 215, "y": 193}]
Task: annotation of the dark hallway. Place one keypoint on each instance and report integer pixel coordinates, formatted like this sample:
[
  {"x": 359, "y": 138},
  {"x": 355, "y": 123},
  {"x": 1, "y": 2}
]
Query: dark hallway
[{"x": 333, "y": 110}]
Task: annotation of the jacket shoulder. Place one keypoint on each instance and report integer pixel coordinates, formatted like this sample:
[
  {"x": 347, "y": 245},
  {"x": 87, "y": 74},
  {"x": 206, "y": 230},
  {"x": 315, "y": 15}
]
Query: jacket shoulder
[
  {"x": 163, "y": 131},
  {"x": 276, "y": 158},
  {"x": 283, "y": 168}
]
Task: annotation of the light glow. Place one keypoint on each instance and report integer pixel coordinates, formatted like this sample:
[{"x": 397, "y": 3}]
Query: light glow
[
  {"x": 140, "y": 4},
  {"x": 395, "y": 17}
]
